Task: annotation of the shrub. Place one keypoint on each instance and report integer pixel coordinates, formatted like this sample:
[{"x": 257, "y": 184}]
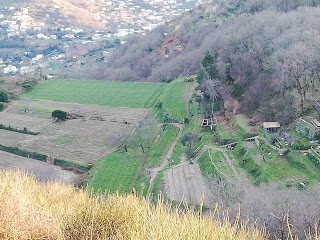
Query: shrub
[
  {"x": 59, "y": 114},
  {"x": 4, "y": 96},
  {"x": 29, "y": 84},
  {"x": 1, "y": 107}
]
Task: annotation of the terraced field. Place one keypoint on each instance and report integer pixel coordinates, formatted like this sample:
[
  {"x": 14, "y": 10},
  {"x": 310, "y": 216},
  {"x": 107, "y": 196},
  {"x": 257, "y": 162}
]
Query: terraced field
[
  {"x": 105, "y": 93},
  {"x": 42, "y": 171},
  {"x": 82, "y": 140},
  {"x": 185, "y": 181},
  {"x": 117, "y": 172}
]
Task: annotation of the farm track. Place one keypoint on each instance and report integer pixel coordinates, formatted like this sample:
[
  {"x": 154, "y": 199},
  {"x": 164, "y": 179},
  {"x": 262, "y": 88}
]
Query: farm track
[
  {"x": 226, "y": 157},
  {"x": 165, "y": 160}
]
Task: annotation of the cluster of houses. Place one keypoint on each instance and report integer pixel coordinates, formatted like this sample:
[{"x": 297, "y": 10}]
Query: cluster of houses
[
  {"x": 121, "y": 19},
  {"x": 141, "y": 16}
]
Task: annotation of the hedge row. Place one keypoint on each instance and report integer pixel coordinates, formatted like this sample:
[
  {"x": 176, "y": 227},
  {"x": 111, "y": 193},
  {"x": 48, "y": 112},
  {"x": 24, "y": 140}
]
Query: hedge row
[
  {"x": 42, "y": 157},
  {"x": 24, "y": 131}
]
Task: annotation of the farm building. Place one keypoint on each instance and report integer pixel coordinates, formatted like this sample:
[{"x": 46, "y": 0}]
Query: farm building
[
  {"x": 210, "y": 122},
  {"x": 308, "y": 127},
  {"x": 271, "y": 126}
]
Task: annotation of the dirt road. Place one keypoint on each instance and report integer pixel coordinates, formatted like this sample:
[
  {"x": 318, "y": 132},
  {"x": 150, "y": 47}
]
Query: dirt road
[{"x": 165, "y": 160}]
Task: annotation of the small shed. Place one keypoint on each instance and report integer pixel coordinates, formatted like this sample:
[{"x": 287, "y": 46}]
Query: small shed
[
  {"x": 308, "y": 127},
  {"x": 210, "y": 122},
  {"x": 271, "y": 126}
]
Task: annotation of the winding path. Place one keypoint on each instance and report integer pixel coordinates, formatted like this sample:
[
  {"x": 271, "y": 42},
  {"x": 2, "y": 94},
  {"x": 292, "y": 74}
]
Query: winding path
[
  {"x": 229, "y": 161},
  {"x": 165, "y": 159}
]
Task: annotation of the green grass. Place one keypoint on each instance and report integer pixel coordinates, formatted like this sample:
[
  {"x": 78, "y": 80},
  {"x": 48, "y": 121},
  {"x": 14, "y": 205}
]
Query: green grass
[
  {"x": 106, "y": 93},
  {"x": 122, "y": 171},
  {"x": 117, "y": 172},
  {"x": 206, "y": 167},
  {"x": 159, "y": 149},
  {"x": 157, "y": 185},
  {"x": 175, "y": 99}
]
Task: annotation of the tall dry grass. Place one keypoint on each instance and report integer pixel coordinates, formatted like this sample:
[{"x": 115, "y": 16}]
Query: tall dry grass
[{"x": 29, "y": 210}]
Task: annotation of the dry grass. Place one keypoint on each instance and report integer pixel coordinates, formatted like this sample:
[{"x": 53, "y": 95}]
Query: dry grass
[{"x": 29, "y": 210}]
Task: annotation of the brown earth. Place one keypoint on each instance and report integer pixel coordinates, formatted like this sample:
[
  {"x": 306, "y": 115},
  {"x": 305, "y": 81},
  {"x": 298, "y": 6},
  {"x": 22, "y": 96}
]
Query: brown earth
[
  {"x": 42, "y": 171},
  {"x": 82, "y": 140},
  {"x": 185, "y": 181}
]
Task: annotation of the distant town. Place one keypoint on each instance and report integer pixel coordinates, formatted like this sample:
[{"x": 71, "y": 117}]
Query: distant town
[{"x": 28, "y": 44}]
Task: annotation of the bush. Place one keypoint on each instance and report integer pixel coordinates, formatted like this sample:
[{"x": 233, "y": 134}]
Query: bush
[
  {"x": 29, "y": 84},
  {"x": 4, "y": 96},
  {"x": 59, "y": 114},
  {"x": 1, "y": 107}
]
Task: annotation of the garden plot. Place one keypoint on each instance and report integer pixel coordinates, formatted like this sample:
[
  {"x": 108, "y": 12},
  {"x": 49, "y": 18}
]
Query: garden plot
[
  {"x": 82, "y": 140},
  {"x": 185, "y": 181},
  {"x": 42, "y": 171}
]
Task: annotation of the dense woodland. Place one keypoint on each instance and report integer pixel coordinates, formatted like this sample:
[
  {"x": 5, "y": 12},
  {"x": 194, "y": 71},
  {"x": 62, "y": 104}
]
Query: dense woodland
[{"x": 265, "y": 53}]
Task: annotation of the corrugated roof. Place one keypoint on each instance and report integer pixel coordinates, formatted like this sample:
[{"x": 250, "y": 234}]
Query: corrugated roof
[{"x": 270, "y": 125}]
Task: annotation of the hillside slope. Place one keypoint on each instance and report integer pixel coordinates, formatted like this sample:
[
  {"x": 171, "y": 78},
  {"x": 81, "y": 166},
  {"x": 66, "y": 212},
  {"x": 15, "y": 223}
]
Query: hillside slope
[
  {"x": 29, "y": 210},
  {"x": 265, "y": 54},
  {"x": 76, "y": 13},
  {"x": 177, "y": 47}
]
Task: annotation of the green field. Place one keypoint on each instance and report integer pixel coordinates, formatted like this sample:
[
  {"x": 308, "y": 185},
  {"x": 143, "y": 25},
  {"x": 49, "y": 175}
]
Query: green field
[
  {"x": 105, "y": 93},
  {"x": 159, "y": 149},
  {"x": 121, "y": 171},
  {"x": 116, "y": 172},
  {"x": 214, "y": 163},
  {"x": 175, "y": 99}
]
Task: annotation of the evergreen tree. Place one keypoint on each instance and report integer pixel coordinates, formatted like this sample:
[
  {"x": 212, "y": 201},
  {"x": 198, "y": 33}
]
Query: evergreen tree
[
  {"x": 202, "y": 75},
  {"x": 210, "y": 65}
]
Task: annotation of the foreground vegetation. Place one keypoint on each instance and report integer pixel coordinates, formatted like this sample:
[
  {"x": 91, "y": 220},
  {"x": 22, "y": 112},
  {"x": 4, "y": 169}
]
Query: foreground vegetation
[{"x": 29, "y": 210}]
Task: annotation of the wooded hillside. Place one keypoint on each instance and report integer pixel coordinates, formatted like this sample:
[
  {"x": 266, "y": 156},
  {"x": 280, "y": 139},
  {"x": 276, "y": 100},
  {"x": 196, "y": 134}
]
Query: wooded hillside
[{"x": 266, "y": 51}]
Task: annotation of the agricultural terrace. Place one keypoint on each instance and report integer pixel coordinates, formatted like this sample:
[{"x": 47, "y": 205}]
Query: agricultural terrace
[
  {"x": 42, "y": 171},
  {"x": 116, "y": 172},
  {"x": 105, "y": 93},
  {"x": 127, "y": 170},
  {"x": 83, "y": 140},
  {"x": 175, "y": 99}
]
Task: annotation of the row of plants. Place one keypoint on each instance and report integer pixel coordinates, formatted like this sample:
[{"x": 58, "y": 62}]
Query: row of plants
[
  {"x": 64, "y": 164},
  {"x": 249, "y": 165},
  {"x": 12, "y": 129},
  {"x": 314, "y": 159}
]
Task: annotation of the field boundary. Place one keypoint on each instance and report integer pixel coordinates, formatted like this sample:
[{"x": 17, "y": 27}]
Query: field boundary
[{"x": 64, "y": 164}]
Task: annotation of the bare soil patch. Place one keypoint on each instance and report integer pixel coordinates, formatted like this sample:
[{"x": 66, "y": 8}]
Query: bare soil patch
[
  {"x": 185, "y": 181},
  {"x": 42, "y": 171},
  {"x": 82, "y": 140}
]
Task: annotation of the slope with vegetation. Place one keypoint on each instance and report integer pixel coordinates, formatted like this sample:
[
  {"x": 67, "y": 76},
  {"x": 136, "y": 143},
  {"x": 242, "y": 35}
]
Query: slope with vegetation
[
  {"x": 29, "y": 210},
  {"x": 265, "y": 53}
]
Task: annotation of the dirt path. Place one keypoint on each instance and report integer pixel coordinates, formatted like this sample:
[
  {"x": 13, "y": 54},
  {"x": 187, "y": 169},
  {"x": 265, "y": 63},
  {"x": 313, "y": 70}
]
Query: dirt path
[
  {"x": 165, "y": 160},
  {"x": 226, "y": 157}
]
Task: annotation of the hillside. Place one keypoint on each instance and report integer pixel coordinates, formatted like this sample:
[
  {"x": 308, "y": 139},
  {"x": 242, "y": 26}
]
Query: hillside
[
  {"x": 77, "y": 13},
  {"x": 29, "y": 210},
  {"x": 254, "y": 62}
]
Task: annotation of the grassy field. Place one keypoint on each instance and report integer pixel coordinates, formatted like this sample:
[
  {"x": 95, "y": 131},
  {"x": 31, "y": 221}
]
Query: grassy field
[
  {"x": 175, "y": 99},
  {"x": 117, "y": 172},
  {"x": 291, "y": 168},
  {"x": 159, "y": 149},
  {"x": 106, "y": 93},
  {"x": 121, "y": 171},
  {"x": 214, "y": 163}
]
